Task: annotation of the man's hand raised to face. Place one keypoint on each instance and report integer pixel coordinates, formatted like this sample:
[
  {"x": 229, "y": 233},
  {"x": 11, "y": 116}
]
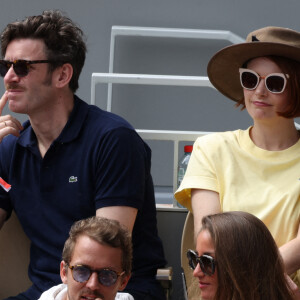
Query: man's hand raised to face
[{"x": 8, "y": 124}]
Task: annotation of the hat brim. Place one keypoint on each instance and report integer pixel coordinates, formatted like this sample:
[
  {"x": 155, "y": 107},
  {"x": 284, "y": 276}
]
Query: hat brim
[{"x": 223, "y": 68}]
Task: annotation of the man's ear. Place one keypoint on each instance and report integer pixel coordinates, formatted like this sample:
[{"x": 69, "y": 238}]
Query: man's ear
[
  {"x": 63, "y": 272},
  {"x": 124, "y": 281},
  {"x": 63, "y": 75}
]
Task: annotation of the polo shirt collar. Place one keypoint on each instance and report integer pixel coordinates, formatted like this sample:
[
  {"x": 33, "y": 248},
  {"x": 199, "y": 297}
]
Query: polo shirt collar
[{"x": 69, "y": 132}]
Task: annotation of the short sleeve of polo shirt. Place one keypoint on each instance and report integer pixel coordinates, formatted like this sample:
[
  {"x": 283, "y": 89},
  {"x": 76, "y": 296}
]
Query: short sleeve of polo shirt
[
  {"x": 121, "y": 169},
  {"x": 6, "y": 149}
]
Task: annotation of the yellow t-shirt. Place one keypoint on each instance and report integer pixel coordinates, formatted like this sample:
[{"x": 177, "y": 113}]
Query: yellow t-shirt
[{"x": 247, "y": 178}]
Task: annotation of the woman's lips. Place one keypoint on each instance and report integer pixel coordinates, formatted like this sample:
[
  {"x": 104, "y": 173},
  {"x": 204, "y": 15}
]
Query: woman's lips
[
  {"x": 260, "y": 103},
  {"x": 203, "y": 285}
]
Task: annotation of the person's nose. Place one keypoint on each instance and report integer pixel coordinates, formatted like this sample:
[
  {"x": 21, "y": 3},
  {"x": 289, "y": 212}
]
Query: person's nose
[
  {"x": 11, "y": 76},
  {"x": 261, "y": 87},
  {"x": 198, "y": 272},
  {"x": 93, "y": 282}
]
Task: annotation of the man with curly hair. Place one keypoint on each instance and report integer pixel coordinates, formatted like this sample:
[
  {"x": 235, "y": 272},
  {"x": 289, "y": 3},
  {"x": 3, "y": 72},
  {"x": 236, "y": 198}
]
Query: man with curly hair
[{"x": 70, "y": 160}]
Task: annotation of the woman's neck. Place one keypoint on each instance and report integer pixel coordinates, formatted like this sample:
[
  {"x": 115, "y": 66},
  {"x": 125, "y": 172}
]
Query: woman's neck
[{"x": 274, "y": 137}]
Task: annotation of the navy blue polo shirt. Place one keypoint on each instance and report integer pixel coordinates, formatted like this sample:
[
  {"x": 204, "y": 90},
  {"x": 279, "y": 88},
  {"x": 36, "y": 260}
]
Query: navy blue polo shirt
[{"x": 98, "y": 160}]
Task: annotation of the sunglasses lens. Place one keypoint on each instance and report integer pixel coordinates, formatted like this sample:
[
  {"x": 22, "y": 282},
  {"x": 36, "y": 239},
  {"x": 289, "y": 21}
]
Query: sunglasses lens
[
  {"x": 192, "y": 258},
  {"x": 275, "y": 83},
  {"x": 21, "y": 68},
  {"x": 207, "y": 265},
  {"x": 206, "y": 262},
  {"x": 249, "y": 80},
  {"x": 81, "y": 273},
  {"x": 107, "y": 277},
  {"x": 3, "y": 68}
]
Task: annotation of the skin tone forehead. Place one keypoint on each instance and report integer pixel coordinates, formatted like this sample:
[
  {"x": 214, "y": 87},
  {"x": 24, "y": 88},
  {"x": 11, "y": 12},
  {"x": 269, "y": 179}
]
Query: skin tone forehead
[
  {"x": 87, "y": 251},
  {"x": 25, "y": 49},
  {"x": 204, "y": 243},
  {"x": 264, "y": 63}
]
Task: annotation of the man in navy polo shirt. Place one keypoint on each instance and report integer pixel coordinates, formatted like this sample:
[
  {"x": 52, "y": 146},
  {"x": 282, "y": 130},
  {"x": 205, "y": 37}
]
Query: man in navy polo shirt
[{"x": 70, "y": 160}]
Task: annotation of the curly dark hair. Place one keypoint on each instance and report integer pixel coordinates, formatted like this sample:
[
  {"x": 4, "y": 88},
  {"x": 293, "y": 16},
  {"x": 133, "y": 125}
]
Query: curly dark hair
[{"x": 63, "y": 39}]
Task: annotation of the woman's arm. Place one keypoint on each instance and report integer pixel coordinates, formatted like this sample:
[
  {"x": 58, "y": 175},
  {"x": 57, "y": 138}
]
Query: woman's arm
[
  {"x": 290, "y": 253},
  {"x": 204, "y": 202}
]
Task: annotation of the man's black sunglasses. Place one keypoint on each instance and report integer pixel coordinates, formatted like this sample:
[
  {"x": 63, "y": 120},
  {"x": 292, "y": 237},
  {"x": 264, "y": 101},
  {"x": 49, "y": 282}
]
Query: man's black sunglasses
[
  {"x": 206, "y": 262},
  {"x": 106, "y": 277},
  {"x": 21, "y": 67}
]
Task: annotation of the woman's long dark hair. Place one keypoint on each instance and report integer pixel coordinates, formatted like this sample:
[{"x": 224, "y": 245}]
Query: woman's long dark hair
[{"x": 249, "y": 265}]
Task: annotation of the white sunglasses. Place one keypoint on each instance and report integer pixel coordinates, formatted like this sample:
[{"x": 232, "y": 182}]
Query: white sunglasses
[{"x": 275, "y": 82}]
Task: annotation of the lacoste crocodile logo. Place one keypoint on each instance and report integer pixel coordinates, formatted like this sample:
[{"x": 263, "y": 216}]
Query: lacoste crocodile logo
[{"x": 72, "y": 179}]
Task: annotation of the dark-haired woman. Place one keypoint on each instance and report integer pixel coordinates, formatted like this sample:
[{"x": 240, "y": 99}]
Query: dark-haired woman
[{"x": 236, "y": 258}]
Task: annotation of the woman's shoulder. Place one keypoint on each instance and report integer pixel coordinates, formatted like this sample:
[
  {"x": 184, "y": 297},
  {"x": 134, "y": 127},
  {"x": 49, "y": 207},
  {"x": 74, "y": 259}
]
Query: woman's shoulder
[{"x": 216, "y": 138}]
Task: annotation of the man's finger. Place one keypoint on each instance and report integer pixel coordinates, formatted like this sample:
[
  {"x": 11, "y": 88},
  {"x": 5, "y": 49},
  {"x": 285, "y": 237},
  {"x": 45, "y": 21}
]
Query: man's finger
[
  {"x": 3, "y": 101},
  {"x": 9, "y": 121}
]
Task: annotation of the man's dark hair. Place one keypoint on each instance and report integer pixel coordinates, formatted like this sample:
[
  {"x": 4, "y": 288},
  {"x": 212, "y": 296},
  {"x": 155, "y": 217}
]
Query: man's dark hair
[{"x": 63, "y": 40}]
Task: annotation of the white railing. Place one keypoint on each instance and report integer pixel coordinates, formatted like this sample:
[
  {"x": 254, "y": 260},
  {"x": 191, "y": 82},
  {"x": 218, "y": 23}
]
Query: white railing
[
  {"x": 172, "y": 80},
  {"x": 158, "y": 32},
  {"x": 147, "y": 79}
]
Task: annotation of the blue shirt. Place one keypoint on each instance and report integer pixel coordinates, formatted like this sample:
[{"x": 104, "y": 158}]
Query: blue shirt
[{"x": 98, "y": 160}]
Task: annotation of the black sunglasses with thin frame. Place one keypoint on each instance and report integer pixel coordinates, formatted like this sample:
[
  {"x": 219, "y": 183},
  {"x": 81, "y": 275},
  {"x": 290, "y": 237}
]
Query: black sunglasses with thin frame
[
  {"x": 21, "y": 67},
  {"x": 275, "y": 82},
  {"x": 207, "y": 263},
  {"x": 106, "y": 276}
]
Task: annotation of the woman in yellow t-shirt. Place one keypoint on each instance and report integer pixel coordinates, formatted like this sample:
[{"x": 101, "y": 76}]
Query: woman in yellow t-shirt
[{"x": 255, "y": 170}]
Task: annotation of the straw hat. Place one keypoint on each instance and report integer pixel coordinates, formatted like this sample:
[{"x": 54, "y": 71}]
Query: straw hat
[{"x": 223, "y": 68}]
